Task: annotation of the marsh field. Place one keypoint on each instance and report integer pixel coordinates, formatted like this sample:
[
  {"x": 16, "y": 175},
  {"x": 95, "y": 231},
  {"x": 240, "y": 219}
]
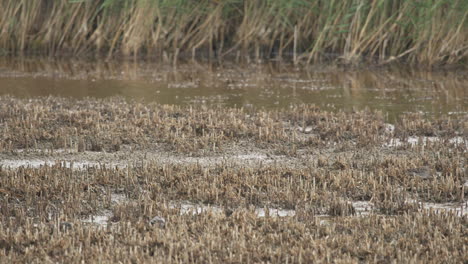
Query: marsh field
[{"x": 136, "y": 131}]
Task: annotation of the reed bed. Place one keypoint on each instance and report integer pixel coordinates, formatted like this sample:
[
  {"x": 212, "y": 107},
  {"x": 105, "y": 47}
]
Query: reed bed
[
  {"x": 326, "y": 162},
  {"x": 52, "y": 123},
  {"x": 427, "y": 33},
  {"x": 243, "y": 238}
]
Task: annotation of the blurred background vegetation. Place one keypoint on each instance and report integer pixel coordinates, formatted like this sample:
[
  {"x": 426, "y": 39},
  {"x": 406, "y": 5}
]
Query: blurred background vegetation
[{"x": 432, "y": 32}]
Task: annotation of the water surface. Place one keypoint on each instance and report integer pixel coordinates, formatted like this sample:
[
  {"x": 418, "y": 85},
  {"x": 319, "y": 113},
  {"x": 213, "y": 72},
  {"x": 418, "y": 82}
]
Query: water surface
[{"x": 393, "y": 90}]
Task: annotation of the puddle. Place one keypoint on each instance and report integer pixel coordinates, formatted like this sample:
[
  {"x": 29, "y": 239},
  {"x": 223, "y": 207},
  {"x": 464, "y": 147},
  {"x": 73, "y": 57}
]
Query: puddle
[
  {"x": 46, "y": 151},
  {"x": 118, "y": 198},
  {"x": 101, "y": 219},
  {"x": 249, "y": 158},
  {"x": 363, "y": 208},
  {"x": 413, "y": 141},
  {"x": 191, "y": 208},
  {"x": 14, "y": 164},
  {"x": 459, "y": 209},
  {"x": 273, "y": 212},
  {"x": 79, "y": 164},
  {"x": 194, "y": 209},
  {"x": 37, "y": 163}
]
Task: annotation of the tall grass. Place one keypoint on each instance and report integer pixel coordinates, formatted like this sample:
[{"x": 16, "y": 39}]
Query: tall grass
[{"x": 432, "y": 32}]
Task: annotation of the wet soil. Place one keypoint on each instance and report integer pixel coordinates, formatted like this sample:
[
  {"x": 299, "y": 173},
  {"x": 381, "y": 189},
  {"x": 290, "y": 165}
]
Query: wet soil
[{"x": 113, "y": 179}]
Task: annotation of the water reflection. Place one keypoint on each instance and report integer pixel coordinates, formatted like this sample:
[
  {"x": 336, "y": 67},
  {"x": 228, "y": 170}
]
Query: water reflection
[{"x": 391, "y": 90}]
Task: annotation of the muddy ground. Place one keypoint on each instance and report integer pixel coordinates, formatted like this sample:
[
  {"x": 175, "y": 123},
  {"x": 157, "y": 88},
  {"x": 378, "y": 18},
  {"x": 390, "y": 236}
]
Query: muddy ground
[{"x": 107, "y": 180}]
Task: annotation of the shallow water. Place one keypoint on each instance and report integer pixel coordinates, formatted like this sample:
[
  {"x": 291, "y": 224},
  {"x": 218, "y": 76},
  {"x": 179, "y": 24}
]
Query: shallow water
[
  {"x": 363, "y": 208},
  {"x": 392, "y": 90},
  {"x": 37, "y": 163},
  {"x": 76, "y": 160},
  {"x": 413, "y": 141}
]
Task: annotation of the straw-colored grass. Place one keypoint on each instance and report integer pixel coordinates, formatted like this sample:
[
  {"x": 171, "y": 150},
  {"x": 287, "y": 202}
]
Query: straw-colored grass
[
  {"x": 428, "y": 32},
  {"x": 343, "y": 158}
]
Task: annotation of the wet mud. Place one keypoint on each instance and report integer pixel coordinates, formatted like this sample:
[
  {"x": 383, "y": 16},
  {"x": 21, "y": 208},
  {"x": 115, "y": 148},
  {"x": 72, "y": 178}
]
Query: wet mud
[{"x": 150, "y": 182}]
